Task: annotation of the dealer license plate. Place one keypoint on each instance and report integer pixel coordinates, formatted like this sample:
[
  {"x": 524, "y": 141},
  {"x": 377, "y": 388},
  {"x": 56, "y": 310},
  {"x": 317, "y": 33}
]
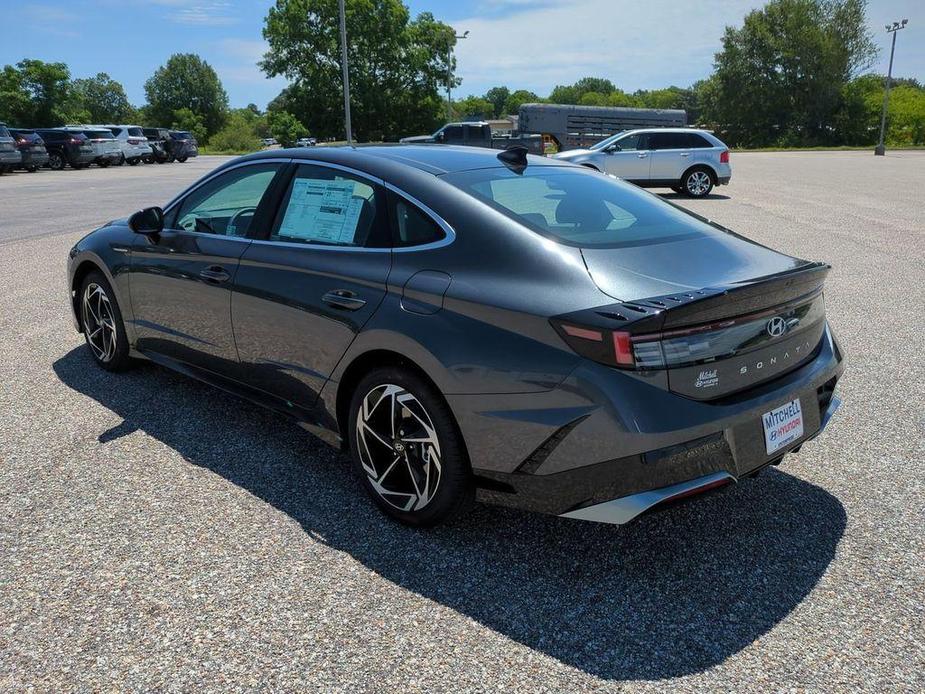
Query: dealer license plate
[{"x": 782, "y": 426}]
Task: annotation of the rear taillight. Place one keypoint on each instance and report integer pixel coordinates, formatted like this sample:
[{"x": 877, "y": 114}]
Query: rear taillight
[
  {"x": 724, "y": 157},
  {"x": 22, "y": 141},
  {"x": 134, "y": 141},
  {"x": 75, "y": 141},
  {"x": 611, "y": 347}
]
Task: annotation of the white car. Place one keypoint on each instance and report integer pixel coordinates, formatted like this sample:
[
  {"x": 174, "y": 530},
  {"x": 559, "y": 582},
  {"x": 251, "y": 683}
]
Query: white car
[
  {"x": 686, "y": 160},
  {"x": 305, "y": 142},
  {"x": 132, "y": 141}
]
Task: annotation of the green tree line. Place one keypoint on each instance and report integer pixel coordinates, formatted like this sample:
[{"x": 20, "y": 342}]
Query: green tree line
[{"x": 793, "y": 74}]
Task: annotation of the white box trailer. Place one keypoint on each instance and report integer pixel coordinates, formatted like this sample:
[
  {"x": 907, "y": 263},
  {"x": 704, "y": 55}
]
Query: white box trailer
[{"x": 569, "y": 127}]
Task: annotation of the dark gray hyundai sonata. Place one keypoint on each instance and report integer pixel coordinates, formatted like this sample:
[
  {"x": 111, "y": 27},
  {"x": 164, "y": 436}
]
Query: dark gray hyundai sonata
[{"x": 471, "y": 324}]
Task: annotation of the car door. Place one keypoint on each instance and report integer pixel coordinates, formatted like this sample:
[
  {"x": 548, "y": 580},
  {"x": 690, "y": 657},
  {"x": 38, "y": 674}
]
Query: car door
[
  {"x": 304, "y": 291},
  {"x": 670, "y": 155},
  {"x": 181, "y": 279},
  {"x": 628, "y": 158}
]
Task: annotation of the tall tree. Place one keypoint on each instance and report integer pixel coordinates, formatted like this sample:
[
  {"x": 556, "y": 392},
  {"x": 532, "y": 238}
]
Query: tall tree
[
  {"x": 186, "y": 81},
  {"x": 34, "y": 93},
  {"x": 102, "y": 99},
  {"x": 397, "y": 66},
  {"x": 780, "y": 77},
  {"x": 522, "y": 96},
  {"x": 497, "y": 96}
]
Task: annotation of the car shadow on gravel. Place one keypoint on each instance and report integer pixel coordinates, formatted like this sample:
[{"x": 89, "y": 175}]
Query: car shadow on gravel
[
  {"x": 681, "y": 196},
  {"x": 671, "y": 594}
]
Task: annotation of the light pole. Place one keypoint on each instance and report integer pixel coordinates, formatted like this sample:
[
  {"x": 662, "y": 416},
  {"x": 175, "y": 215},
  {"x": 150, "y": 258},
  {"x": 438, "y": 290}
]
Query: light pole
[
  {"x": 343, "y": 46},
  {"x": 891, "y": 29},
  {"x": 449, "y": 76}
]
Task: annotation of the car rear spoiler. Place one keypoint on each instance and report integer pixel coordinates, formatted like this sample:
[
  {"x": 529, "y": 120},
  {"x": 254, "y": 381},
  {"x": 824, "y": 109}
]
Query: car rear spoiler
[{"x": 706, "y": 305}]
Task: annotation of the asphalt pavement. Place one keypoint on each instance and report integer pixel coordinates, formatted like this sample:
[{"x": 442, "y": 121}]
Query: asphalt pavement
[{"x": 157, "y": 534}]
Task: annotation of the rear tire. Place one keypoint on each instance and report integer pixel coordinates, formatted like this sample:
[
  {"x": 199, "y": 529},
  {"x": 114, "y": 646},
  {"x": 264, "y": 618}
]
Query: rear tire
[
  {"x": 407, "y": 449},
  {"x": 104, "y": 163},
  {"x": 697, "y": 182},
  {"x": 132, "y": 162},
  {"x": 101, "y": 321},
  {"x": 181, "y": 159},
  {"x": 55, "y": 161}
]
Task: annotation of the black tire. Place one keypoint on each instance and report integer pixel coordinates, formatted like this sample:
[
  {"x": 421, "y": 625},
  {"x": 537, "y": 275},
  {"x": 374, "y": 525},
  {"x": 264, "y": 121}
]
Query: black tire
[
  {"x": 454, "y": 490},
  {"x": 697, "y": 182},
  {"x": 121, "y": 160},
  {"x": 103, "y": 163},
  {"x": 133, "y": 162},
  {"x": 56, "y": 161},
  {"x": 181, "y": 159},
  {"x": 116, "y": 357},
  {"x": 32, "y": 169}
]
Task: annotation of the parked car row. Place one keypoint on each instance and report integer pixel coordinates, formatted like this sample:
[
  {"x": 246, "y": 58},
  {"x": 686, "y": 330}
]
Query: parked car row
[{"x": 78, "y": 146}]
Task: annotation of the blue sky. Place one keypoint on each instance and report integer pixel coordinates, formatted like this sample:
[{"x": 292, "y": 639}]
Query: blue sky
[{"x": 530, "y": 44}]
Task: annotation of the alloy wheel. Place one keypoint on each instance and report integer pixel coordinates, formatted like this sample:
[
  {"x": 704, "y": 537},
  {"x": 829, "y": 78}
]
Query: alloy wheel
[
  {"x": 398, "y": 447},
  {"x": 99, "y": 323},
  {"x": 698, "y": 183}
]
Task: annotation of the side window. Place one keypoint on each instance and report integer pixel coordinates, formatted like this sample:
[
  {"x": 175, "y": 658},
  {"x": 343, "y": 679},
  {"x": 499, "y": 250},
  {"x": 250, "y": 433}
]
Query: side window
[
  {"x": 698, "y": 141},
  {"x": 453, "y": 132},
  {"x": 660, "y": 141},
  {"x": 628, "y": 143},
  {"x": 227, "y": 204},
  {"x": 412, "y": 226},
  {"x": 330, "y": 207}
]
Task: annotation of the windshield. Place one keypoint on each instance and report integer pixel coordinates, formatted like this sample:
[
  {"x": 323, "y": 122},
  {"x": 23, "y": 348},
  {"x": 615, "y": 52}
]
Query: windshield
[
  {"x": 182, "y": 135},
  {"x": 4, "y": 132},
  {"x": 581, "y": 208},
  {"x": 98, "y": 134},
  {"x": 603, "y": 144}
]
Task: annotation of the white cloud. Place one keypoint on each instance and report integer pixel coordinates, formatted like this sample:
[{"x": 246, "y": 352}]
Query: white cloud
[
  {"x": 636, "y": 45},
  {"x": 199, "y": 12}
]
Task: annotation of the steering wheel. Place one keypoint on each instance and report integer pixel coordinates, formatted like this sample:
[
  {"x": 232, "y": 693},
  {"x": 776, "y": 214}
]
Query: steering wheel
[{"x": 232, "y": 227}]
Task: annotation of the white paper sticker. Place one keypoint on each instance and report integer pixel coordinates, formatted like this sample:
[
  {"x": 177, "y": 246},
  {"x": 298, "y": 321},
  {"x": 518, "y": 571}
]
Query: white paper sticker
[{"x": 321, "y": 210}]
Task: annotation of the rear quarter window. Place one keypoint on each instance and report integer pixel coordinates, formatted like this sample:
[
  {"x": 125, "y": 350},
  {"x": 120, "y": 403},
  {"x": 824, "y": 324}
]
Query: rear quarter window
[{"x": 699, "y": 141}]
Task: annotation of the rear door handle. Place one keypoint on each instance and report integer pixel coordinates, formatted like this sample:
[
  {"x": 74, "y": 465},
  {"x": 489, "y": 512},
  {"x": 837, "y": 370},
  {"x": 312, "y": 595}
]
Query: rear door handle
[
  {"x": 642, "y": 155},
  {"x": 685, "y": 154},
  {"x": 343, "y": 299},
  {"x": 215, "y": 273}
]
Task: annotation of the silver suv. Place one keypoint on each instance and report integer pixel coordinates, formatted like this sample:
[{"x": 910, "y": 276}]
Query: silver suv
[
  {"x": 686, "y": 160},
  {"x": 132, "y": 141}
]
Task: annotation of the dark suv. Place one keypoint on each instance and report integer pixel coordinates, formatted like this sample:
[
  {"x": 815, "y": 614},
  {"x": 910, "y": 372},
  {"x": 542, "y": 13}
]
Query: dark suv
[
  {"x": 161, "y": 145},
  {"x": 67, "y": 148},
  {"x": 32, "y": 148},
  {"x": 10, "y": 157},
  {"x": 184, "y": 145}
]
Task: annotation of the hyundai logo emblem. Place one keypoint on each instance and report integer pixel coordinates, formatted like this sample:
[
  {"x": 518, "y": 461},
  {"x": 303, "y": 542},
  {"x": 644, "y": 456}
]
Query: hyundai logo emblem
[{"x": 776, "y": 327}]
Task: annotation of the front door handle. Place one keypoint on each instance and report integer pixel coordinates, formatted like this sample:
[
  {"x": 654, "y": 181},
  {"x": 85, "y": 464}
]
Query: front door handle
[
  {"x": 642, "y": 155},
  {"x": 685, "y": 154},
  {"x": 215, "y": 273},
  {"x": 343, "y": 299}
]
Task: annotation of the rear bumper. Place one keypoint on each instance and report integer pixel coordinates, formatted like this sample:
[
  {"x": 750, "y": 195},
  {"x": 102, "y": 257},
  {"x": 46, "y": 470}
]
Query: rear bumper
[
  {"x": 604, "y": 435},
  {"x": 10, "y": 158},
  {"x": 34, "y": 158},
  {"x": 723, "y": 180}
]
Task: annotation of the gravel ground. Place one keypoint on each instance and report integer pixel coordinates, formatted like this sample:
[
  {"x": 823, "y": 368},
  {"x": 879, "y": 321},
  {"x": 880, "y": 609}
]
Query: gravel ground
[{"x": 158, "y": 534}]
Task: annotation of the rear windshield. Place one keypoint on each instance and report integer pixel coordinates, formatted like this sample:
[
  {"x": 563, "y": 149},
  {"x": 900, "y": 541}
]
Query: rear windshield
[
  {"x": 181, "y": 136},
  {"x": 4, "y": 132},
  {"x": 98, "y": 134},
  {"x": 580, "y": 208},
  {"x": 135, "y": 132}
]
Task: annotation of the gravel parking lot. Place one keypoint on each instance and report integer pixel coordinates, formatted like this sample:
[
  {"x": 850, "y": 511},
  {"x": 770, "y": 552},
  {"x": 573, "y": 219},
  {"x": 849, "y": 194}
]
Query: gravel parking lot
[{"x": 159, "y": 534}]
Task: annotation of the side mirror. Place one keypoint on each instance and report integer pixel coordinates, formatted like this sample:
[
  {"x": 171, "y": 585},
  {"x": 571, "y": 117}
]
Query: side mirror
[
  {"x": 150, "y": 220},
  {"x": 613, "y": 148}
]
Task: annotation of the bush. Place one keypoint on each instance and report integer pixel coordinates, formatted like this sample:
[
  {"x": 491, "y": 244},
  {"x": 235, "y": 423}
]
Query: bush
[
  {"x": 285, "y": 127},
  {"x": 238, "y": 135}
]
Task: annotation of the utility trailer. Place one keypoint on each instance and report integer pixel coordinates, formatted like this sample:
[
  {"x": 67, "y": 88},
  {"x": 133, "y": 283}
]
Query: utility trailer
[{"x": 571, "y": 127}]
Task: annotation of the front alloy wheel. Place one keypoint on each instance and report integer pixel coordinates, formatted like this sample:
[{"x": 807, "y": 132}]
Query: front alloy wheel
[
  {"x": 406, "y": 447},
  {"x": 102, "y": 324}
]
